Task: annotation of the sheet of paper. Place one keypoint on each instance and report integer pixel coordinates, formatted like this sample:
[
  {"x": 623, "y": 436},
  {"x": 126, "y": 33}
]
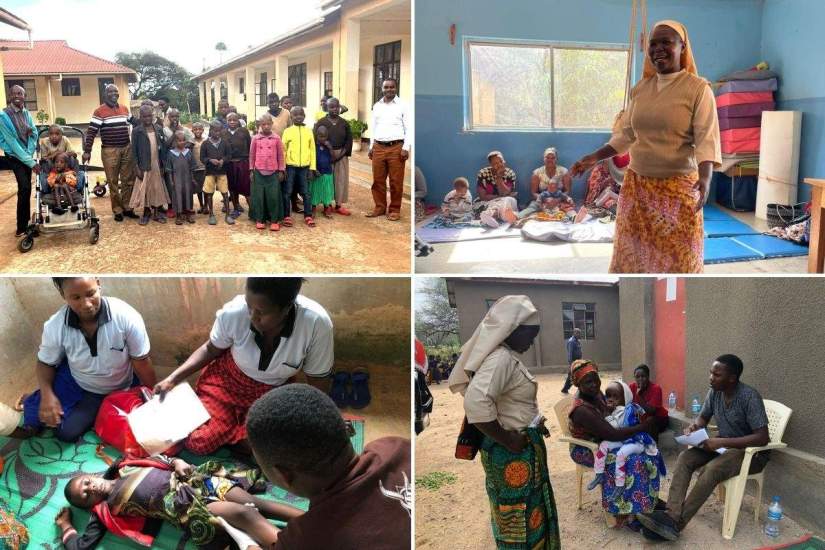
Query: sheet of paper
[
  {"x": 159, "y": 425},
  {"x": 694, "y": 438}
]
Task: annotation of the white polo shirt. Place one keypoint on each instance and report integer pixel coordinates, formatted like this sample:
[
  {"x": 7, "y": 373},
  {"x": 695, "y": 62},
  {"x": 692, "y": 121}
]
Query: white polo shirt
[
  {"x": 305, "y": 345},
  {"x": 101, "y": 364}
]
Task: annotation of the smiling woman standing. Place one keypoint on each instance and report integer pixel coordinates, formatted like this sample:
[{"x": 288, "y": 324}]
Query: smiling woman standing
[
  {"x": 500, "y": 401},
  {"x": 260, "y": 339},
  {"x": 672, "y": 132},
  {"x": 91, "y": 347}
]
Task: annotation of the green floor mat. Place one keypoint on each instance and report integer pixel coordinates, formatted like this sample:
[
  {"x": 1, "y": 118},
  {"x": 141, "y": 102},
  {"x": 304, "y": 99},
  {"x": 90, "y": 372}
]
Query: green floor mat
[
  {"x": 36, "y": 470},
  {"x": 806, "y": 543}
]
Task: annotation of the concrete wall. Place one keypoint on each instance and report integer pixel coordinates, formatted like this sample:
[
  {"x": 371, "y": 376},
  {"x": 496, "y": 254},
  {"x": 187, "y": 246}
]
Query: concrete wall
[
  {"x": 790, "y": 27},
  {"x": 636, "y": 324},
  {"x": 470, "y": 300},
  {"x": 179, "y": 312},
  {"x": 725, "y": 36}
]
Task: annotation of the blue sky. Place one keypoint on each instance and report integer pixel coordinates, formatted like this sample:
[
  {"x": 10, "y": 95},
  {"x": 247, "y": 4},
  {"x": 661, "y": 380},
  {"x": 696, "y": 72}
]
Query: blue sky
[{"x": 185, "y": 32}]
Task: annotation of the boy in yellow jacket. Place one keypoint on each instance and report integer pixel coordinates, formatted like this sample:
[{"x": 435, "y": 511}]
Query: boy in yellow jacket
[{"x": 299, "y": 149}]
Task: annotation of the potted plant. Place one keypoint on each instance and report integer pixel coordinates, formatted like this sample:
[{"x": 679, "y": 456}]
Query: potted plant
[
  {"x": 60, "y": 120},
  {"x": 357, "y": 127},
  {"x": 42, "y": 116}
]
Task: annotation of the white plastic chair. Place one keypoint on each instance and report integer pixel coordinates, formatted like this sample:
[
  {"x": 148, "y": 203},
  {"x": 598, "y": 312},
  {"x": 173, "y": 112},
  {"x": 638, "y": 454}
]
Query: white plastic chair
[
  {"x": 562, "y": 410},
  {"x": 732, "y": 490}
]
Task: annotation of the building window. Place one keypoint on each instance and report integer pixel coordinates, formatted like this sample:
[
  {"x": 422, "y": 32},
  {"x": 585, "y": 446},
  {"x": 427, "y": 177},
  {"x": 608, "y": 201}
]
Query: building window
[
  {"x": 387, "y": 64},
  {"x": 241, "y": 85},
  {"x": 580, "y": 316},
  {"x": 328, "y": 84},
  {"x": 31, "y": 92},
  {"x": 101, "y": 87},
  {"x": 70, "y": 86},
  {"x": 520, "y": 86},
  {"x": 224, "y": 90},
  {"x": 262, "y": 93},
  {"x": 298, "y": 84}
]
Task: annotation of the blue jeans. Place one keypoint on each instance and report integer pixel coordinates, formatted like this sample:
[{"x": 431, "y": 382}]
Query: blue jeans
[
  {"x": 296, "y": 178},
  {"x": 79, "y": 406}
]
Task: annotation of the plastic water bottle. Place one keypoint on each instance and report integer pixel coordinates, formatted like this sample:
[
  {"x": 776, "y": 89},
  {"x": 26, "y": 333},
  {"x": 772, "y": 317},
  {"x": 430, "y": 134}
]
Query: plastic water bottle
[
  {"x": 671, "y": 401},
  {"x": 774, "y": 517},
  {"x": 695, "y": 406}
]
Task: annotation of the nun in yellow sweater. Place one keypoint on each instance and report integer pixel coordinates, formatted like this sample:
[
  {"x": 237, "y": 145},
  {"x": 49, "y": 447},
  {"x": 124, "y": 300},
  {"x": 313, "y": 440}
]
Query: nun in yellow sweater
[{"x": 672, "y": 132}]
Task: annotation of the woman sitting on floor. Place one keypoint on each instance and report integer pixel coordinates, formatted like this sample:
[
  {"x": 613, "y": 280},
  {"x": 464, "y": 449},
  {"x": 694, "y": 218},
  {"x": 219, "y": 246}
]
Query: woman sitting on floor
[
  {"x": 496, "y": 185},
  {"x": 605, "y": 182},
  {"x": 649, "y": 396},
  {"x": 260, "y": 340},
  {"x": 541, "y": 181},
  {"x": 91, "y": 347},
  {"x": 587, "y": 421},
  {"x": 134, "y": 495}
]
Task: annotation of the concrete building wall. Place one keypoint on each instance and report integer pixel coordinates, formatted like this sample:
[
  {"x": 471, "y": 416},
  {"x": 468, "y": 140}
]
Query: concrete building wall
[
  {"x": 636, "y": 324},
  {"x": 179, "y": 312},
  {"x": 471, "y": 300}
]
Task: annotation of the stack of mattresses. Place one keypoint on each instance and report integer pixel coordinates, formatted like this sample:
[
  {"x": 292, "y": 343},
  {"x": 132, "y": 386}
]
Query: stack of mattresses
[{"x": 740, "y": 100}]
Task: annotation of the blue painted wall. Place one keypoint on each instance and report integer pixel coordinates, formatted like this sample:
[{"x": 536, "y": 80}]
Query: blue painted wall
[
  {"x": 726, "y": 36},
  {"x": 793, "y": 43}
]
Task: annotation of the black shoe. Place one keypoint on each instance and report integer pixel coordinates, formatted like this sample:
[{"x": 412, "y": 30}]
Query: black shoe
[
  {"x": 565, "y": 391},
  {"x": 57, "y": 210},
  {"x": 650, "y": 535},
  {"x": 660, "y": 523},
  {"x": 118, "y": 217},
  {"x": 131, "y": 214},
  {"x": 74, "y": 209}
]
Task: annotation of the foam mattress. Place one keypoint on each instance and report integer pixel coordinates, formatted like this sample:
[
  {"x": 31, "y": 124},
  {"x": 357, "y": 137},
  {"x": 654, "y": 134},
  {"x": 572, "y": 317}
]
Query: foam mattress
[{"x": 746, "y": 109}]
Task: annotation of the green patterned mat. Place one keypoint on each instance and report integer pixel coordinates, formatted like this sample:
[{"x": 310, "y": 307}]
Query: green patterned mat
[{"x": 36, "y": 470}]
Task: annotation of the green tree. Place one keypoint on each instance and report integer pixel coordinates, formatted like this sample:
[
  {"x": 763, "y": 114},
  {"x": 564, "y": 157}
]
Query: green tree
[
  {"x": 221, "y": 47},
  {"x": 158, "y": 76},
  {"x": 436, "y": 321}
]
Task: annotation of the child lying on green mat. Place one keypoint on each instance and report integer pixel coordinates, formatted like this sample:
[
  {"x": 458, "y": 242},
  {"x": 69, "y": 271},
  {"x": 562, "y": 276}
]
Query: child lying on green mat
[{"x": 135, "y": 495}]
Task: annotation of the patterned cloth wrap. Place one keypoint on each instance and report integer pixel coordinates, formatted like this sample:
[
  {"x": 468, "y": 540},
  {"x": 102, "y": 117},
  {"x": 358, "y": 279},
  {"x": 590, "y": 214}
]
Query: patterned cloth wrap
[
  {"x": 13, "y": 534},
  {"x": 521, "y": 496}
]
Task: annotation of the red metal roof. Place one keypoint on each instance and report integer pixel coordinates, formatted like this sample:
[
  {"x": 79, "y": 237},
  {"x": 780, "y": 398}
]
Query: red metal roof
[{"x": 54, "y": 57}]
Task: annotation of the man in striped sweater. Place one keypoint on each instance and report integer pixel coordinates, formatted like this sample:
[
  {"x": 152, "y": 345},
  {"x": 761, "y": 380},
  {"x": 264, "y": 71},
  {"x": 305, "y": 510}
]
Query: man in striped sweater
[{"x": 112, "y": 122}]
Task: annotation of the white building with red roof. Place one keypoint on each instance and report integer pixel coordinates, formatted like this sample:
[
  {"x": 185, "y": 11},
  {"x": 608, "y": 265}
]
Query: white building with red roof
[{"x": 60, "y": 80}]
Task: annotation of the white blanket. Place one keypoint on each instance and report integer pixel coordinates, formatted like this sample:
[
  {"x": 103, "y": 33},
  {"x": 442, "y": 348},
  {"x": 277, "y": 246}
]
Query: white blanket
[{"x": 589, "y": 231}]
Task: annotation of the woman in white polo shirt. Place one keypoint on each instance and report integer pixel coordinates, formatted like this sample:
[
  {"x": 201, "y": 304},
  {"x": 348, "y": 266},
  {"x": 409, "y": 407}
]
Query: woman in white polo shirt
[
  {"x": 259, "y": 340},
  {"x": 91, "y": 347}
]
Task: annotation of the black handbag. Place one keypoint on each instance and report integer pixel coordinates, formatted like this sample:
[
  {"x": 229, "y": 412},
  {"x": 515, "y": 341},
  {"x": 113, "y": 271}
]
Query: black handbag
[{"x": 469, "y": 441}]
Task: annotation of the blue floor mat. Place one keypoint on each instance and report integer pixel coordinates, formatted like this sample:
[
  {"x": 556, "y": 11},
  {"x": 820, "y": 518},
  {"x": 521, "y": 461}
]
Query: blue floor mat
[
  {"x": 728, "y": 228},
  {"x": 713, "y": 213},
  {"x": 772, "y": 247},
  {"x": 726, "y": 249}
]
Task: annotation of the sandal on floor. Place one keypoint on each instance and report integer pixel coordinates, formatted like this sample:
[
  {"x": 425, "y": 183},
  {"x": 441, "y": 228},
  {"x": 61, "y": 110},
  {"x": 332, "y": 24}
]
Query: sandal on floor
[
  {"x": 259, "y": 225},
  {"x": 19, "y": 405},
  {"x": 309, "y": 221},
  {"x": 288, "y": 222},
  {"x": 342, "y": 211},
  {"x": 360, "y": 397},
  {"x": 274, "y": 227},
  {"x": 338, "y": 391}
]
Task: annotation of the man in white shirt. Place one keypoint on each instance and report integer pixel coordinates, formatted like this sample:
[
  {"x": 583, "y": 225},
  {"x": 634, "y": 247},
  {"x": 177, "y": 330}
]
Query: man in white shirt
[{"x": 389, "y": 150}]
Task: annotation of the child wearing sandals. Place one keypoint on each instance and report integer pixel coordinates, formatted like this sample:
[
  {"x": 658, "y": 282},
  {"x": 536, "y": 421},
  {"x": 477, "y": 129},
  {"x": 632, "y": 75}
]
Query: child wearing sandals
[
  {"x": 180, "y": 165},
  {"x": 299, "y": 149},
  {"x": 321, "y": 188},
  {"x": 62, "y": 181},
  {"x": 266, "y": 166},
  {"x": 624, "y": 413}
]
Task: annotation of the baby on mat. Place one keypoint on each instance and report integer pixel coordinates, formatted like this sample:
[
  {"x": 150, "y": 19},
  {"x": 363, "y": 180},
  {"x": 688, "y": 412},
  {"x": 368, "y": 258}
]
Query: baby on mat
[
  {"x": 134, "y": 493},
  {"x": 623, "y": 413},
  {"x": 457, "y": 205}
]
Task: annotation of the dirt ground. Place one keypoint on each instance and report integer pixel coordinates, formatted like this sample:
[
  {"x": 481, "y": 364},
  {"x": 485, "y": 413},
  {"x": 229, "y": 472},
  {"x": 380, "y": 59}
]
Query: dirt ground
[
  {"x": 388, "y": 413},
  {"x": 353, "y": 244},
  {"x": 456, "y": 516}
]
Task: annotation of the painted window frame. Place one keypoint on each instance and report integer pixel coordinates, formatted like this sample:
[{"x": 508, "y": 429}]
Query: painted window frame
[
  {"x": 70, "y": 86},
  {"x": 572, "y": 307},
  {"x": 261, "y": 91},
  {"x": 386, "y": 69},
  {"x": 297, "y": 83},
  {"x": 466, "y": 71}
]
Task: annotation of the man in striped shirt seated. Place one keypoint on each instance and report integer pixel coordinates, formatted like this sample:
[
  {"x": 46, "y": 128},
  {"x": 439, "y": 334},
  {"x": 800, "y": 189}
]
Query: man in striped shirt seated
[{"x": 112, "y": 122}]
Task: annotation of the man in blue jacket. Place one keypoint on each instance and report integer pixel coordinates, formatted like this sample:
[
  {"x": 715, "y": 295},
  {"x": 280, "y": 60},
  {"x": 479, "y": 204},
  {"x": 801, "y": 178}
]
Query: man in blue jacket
[
  {"x": 574, "y": 352},
  {"x": 18, "y": 139}
]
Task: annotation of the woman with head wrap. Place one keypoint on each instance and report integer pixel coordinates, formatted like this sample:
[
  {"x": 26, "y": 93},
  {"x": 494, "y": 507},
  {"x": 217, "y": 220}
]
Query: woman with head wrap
[
  {"x": 541, "y": 179},
  {"x": 672, "y": 132},
  {"x": 587, "y": 421},
  {"x": 500, "y": 400}
]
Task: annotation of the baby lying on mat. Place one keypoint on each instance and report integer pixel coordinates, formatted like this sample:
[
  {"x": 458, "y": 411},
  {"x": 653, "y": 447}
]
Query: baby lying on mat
[
  {"x": 134, "y": 495},
  {"x": 624, "y": 413}
]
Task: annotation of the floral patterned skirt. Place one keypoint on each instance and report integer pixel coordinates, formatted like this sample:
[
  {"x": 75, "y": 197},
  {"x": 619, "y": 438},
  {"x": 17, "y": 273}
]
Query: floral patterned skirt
[
  {"x": 522, "y": 506},
  {"x": 641, "y": 487},
  {"x": 657, "y": 229}
]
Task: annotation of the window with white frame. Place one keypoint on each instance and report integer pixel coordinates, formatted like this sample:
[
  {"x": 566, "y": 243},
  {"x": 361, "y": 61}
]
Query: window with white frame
[
  {"x": 580, "y": 316},
  {"x": 526, "y": 86}
]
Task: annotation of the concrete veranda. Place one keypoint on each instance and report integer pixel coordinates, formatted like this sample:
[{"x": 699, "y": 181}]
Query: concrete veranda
[
  {"x": 458, "y": 516},
  {"x": 353, "y": 244}
]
